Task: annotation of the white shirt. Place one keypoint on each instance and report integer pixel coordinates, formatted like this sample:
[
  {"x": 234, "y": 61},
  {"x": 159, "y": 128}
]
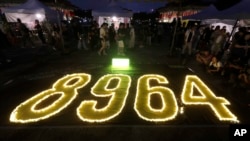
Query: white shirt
[
  {"x": 216, "y": 65},
  {"x": 187, "y": 34},
  {"x": 102, "y": 33},
  {"x": 132, "y": 33}
]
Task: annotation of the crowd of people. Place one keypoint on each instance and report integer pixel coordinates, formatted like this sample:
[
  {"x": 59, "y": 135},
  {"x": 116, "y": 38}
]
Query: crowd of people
[
  {"x": 127, "y": 36},
  {"x": 222, "y": 56},
  {"x": 92, "y": 37},
  {"x": 17, "y": 35},
  {"x": 219, "y": 52}
]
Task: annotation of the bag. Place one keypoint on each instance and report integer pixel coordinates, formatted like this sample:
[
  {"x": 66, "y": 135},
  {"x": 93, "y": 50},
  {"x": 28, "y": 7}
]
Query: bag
[{"x": 120, "y": 44}]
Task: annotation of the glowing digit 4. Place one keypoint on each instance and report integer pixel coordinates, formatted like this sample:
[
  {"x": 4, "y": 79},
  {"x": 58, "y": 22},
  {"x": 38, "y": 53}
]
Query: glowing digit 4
[
  {"x": 207, "y": 98},
  {"x": 116, "y": 87},
  {"x": 87, "y": 111},
  {"x": 66, "y": 87}
]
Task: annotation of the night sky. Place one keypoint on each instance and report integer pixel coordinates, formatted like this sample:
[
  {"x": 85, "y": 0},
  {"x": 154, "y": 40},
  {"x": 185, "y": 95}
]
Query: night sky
[
  {"x": 134, "y": 6},
  {"x": 144, "y": 5}
]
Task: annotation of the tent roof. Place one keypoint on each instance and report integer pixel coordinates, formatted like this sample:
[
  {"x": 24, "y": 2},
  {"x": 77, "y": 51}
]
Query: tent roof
[
  {"x": 240, "y": 10},
  {"x": 28, "y": 11},
  {"x": 29, "y": 7},
  {"x": 206, "y": 13},
  {"x": 172, "y": 6},
  {"x": 112, "y": 10}
]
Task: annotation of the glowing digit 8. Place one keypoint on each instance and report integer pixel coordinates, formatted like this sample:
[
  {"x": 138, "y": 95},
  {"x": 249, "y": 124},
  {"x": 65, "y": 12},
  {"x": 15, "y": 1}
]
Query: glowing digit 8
[
  {"x": 142, "y": 102},
  {"x": 87, "y": 111},
  {"x": 28, "y": 112}
]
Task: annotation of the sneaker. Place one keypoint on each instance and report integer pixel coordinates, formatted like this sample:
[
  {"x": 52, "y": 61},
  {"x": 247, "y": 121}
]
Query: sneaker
[
  {"x": 54, "y": 48},
  {"x": 8, "y": 60}
]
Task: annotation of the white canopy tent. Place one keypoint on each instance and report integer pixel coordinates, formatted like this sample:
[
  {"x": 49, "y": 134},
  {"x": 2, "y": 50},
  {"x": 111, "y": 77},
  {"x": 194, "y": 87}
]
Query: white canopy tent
[
  {"x": 237, "y": 15},
  {"x": 113, "y": 13},
  {"x": 239, "y": 11},
  {"x": 207, "y": 16},
  {"x": 29, "y": 11}
]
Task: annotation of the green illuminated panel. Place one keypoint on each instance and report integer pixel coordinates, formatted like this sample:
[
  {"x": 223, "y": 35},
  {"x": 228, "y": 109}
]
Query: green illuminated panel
[{"x": 120, "y": 62}]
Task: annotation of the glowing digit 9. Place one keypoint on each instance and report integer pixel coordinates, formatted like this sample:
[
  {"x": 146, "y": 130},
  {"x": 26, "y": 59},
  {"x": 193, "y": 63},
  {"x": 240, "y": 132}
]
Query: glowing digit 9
[
  {"x": 28, "y": 111},
  {"x": 143, "y": 106},
  {"x": 207, "y": 97},
  {"x": 87, "y": 111}
]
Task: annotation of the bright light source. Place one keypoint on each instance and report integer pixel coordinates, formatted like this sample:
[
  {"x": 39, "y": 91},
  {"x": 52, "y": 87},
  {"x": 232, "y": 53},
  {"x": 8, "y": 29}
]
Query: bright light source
[
  {"x": 114, "y": 18},
  {"x": 38, "y": 15},
  {"x": 120, "y": 62}
]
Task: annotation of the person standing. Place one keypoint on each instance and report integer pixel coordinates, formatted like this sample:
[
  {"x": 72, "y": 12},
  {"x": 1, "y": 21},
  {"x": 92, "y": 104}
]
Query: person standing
[
  {"x": 24, "y": 32},
  {"x": 107, "y": 38},
  {"x": 81, "y": 38},
  {"x": 219, "y": 42},
  {"x": 120, "y": 39},
  {"x": 187, "y": 47},
  {"x": 3, "y": 40},
  {"x": 103, "y": 38},
  {"x": 132, "y": 36},
  {"x": 188, "y": 39},
  {"x": 112, "y": 34},
  {"x": 39, "y": 30}
]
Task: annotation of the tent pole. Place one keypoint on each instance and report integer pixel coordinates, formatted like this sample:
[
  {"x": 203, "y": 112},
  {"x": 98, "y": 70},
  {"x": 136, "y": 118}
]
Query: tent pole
[
  {"x": 60, "y": 27},
  {"x": 175, "y": 29},
  {"x": 173, "y": 39},
  {"x": 235, "y": 25},
  {"x": 232, "y": 32}
]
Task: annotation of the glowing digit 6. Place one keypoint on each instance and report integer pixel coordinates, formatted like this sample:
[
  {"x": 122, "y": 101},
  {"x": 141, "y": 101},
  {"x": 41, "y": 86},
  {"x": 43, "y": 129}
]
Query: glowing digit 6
[
  {"x": 28, "y": 111},
  {"x": 87, "y": 111},
  {"x": 142, "y": 104}
]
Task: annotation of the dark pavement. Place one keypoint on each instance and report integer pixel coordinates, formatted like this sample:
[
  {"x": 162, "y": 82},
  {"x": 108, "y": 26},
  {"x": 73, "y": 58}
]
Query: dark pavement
[{"x": 34, "y": 70}]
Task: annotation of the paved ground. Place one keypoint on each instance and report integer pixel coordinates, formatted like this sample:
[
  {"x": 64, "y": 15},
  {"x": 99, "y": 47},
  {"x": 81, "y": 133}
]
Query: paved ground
[{"x": 35, "y": 70}]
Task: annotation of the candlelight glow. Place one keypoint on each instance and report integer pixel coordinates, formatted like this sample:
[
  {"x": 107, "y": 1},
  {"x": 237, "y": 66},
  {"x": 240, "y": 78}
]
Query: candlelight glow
[
  {"x": 115, "y": 88},
  {"x": 207, "y": 97},
  {"x": 26, "y": 112},
  {"x": 142, "y": 104},
  {"x": 87, "y": 111}
]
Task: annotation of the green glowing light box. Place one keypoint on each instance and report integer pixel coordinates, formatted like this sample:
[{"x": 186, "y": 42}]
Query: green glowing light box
[{"x": 120, "y": 62}]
